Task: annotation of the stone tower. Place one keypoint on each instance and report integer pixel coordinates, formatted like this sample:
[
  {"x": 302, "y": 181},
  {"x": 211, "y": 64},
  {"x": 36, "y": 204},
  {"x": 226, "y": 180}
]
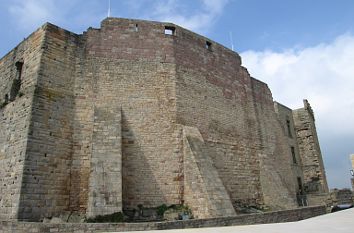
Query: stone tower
[
  {"x": 143, "y": 113},
  {"x": 315, "y": 181}
]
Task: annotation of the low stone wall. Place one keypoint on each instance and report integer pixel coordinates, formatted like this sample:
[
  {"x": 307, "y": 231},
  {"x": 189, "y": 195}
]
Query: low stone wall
[{"x": 270, "y": 217}]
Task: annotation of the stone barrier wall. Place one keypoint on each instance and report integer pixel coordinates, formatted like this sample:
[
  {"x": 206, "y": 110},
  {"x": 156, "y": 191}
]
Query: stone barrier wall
[{"x": 270, "y": 217}]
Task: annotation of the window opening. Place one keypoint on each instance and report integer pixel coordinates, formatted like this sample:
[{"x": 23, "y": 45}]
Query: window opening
[
  {"x": 289, "y": 128},
  {"x": 300, "y": 185},
  {"x": 208, "y": 45},
  {"x": 16, "y": 83},
  {"x": 293, "y": 154},
  {"x": 170, "y": 30},
  {"x": 19, "y": 66},
  {"x": 300, "y": 195}
]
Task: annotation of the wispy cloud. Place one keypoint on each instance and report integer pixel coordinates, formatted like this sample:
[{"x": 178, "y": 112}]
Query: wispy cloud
[
  {"x": 323, "y": 74},
  {"x": 30, "y": 14},
  {"x": 200, "y": 20},
  {"x": 197, "y": 15}
]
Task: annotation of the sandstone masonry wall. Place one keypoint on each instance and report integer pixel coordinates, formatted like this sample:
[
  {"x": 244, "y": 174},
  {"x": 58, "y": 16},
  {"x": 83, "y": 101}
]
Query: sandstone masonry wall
[
  {"x": 132, "y": 66},
  {"x": 17, "y": 85},
  {"x": 46, "y": 180},
  {"x": 236, "y": 118},
  {"x": 105, "y": 183},
  {"x": 204, "y": 191},
  {"x": 314, "y": 173},
  {"x": 270, "y": 217},
  {"x": 341, "y": 196},
  {"x": 277, "y": 181},
  {"x": 96, "y": 125},
  {"x": 285, "y": 118},
  {"x": 214, "y": 95}
]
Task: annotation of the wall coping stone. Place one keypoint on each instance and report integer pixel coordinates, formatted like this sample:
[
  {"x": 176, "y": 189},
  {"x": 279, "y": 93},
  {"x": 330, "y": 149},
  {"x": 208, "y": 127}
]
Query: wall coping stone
[{"x": 248, "y": 219}]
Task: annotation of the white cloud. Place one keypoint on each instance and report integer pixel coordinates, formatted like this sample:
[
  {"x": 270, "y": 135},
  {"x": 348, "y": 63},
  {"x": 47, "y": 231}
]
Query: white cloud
[
  {"x": 198, "y": 16},
  {"x": 200, "y": 19},
  {"x": 32, "y": 13},
  {"x": 323, "y": 74},
  {"x": 215, "y": 6}
]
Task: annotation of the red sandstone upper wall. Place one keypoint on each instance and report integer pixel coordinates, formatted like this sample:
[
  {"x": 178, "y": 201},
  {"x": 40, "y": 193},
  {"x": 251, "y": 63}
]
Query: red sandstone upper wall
[
  {"x": 152, "y": 30},
  {"x": 131, "y": 39},
  {"x": 141, "y": 40}
]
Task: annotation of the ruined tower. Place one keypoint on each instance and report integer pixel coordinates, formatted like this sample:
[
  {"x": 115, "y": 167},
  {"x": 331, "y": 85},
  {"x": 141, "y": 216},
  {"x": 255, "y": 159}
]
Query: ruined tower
[
  {"x": 315, "y": 182},
  {"x": 144, "y": 113}
]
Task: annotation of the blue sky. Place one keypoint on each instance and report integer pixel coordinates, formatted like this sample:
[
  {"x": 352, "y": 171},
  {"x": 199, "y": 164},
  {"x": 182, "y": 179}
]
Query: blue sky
[{"x": 301, "y": 48}]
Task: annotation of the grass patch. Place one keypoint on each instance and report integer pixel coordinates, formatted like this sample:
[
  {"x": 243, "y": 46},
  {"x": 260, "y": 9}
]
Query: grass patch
[
  {"x": 115, "y": 217},
  {"x": 160, "y": 210},
  {"x": 3, "y": 105}
]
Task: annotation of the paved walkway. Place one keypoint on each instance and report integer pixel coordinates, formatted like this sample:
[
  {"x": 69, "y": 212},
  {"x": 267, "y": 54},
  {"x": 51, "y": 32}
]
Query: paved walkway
[{"x": 338, "y": 222}]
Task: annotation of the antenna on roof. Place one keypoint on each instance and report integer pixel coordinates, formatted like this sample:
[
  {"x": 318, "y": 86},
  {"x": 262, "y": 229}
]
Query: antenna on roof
[
  {"x": 232, "y": 42},
  {"x": 109, "y": 8}
]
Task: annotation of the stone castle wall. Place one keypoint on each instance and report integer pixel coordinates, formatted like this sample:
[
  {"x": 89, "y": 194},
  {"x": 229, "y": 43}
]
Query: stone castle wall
[
  {"x": 48, "y": 156},
  {"x": 214, "y": 95},
  {"x": 217, "y": 95},
  {"x": 19, "y": 75},
  {"x": 132, "y": 66},
  {"x": 263, "y": 218},
  {"x": 341, "y": 196},
  {"x": 203, "y": 189},
  {"x": 315, "y": 182},
  {"x": 105, "y": 117},
  {"x": 277, "y": 181},
  {"x": 286, "y": 120}
]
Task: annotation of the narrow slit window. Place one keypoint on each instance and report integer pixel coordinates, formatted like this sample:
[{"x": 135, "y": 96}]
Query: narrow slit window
[
  {"x": 293, "y": 154},
  {"x": 170, "y": 30},
  {"x": 208, "y": 45},
  {"x": 16, "y": 83},
  {"x": 288, "y": 125},
  {"x": 299, "y": 182},
  {"x": 19, "y": 66}
]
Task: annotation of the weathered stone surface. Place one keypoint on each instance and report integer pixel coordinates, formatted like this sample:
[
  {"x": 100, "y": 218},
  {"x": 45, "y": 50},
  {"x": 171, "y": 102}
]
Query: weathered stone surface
[
  {"x": 203, "y": 189},
  {"x": 270, "y": 217},
  {"x": 341, "y": 196},
  {"x": 15, "y": 120},
  {"x": 315, "y": 181},
  {"x": 105, "y": 182},
  {"x": 102, "y": 122}
]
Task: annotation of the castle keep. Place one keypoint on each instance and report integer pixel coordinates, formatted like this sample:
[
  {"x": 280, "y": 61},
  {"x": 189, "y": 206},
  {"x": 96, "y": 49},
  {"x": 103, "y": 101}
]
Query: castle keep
[{"x": 146, "y": 113}]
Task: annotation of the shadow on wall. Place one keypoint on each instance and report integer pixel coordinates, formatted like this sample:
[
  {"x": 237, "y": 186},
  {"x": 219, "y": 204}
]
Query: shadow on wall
[
  {"x": 136, "y": 170},
  {"x": 46, "y": 177}
]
